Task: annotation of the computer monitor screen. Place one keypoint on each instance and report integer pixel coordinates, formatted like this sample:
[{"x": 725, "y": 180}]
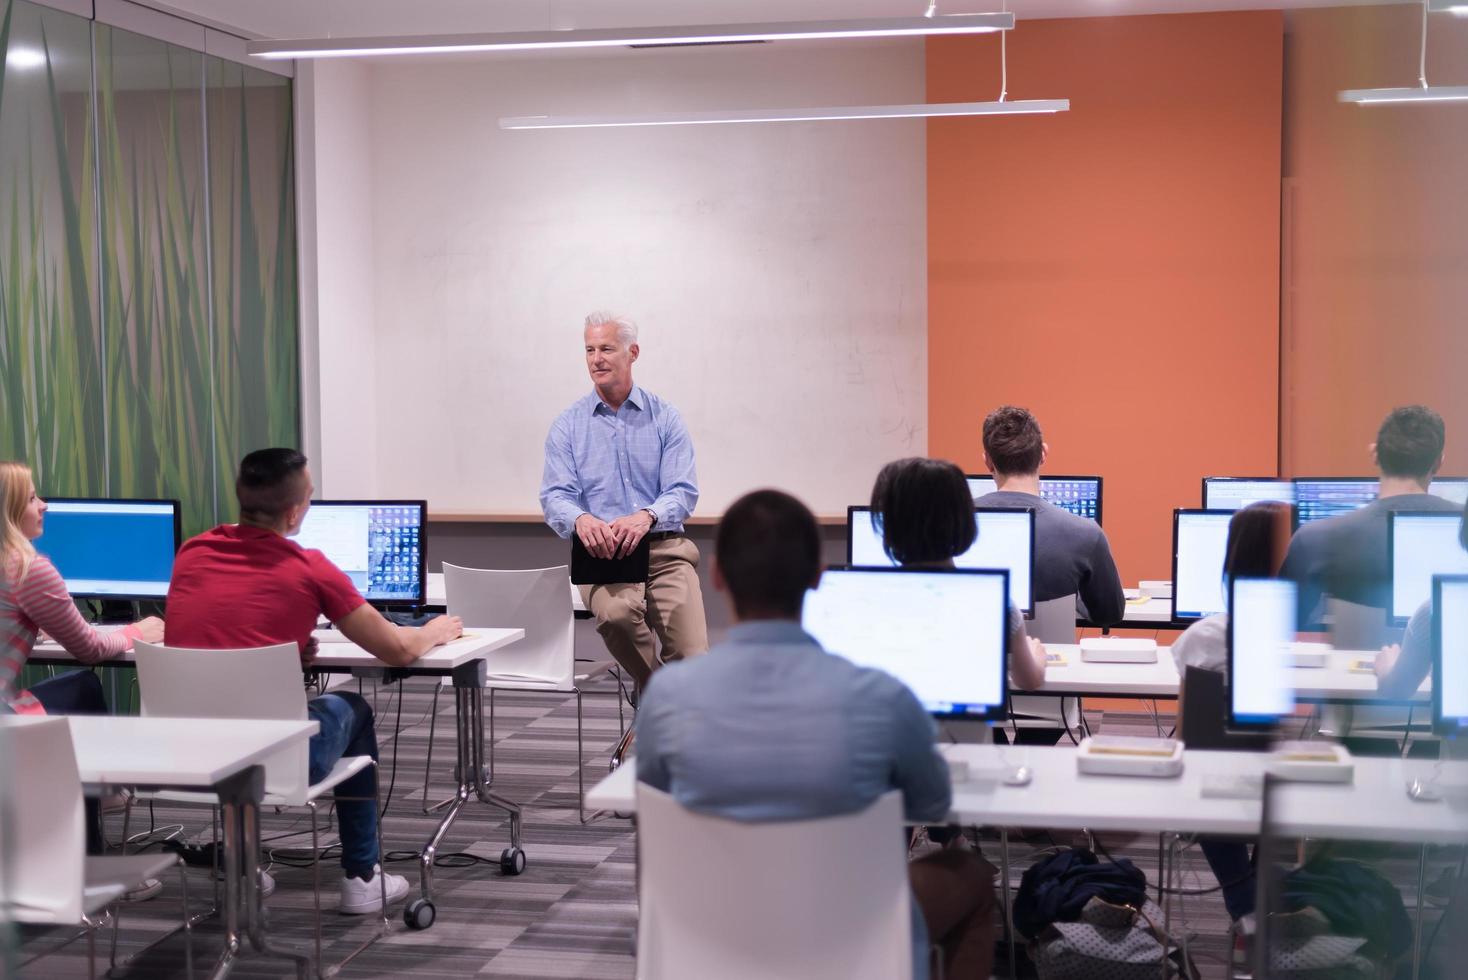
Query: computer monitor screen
[
  {"x": 1006, "y": 540},
  {"x": 939, "y": 631},
  {"x": 1454, "y": 488},
  {"x": 1450, "y": 653},
  {"x": 1320, "y": 497},
  {"x": 1081, "y": 495},
  {"x": 1423, "y": 544},
  {"x": 1261, "y": 634},
  {"x": 378, "y": 543},
  {"x": 111, "y": 549},
  {"x": 1238, "y": 492},
  {"x": 1199, "y": 542}
]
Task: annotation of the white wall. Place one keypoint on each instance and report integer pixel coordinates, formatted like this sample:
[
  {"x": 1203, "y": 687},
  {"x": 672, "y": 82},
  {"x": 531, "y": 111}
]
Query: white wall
[
  {"x": 778, "y": 271},
  {"x": 340, "y": 133}
]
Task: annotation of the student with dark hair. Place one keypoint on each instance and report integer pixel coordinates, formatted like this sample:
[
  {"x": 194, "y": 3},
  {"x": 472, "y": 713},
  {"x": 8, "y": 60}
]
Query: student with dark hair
[
  {"x": 926, "y": 515},
  {"x": 248, "y": 585},
  {"x": 769, "y": 727},
  {"x": 1072, "y": 555},
  {"x": 1401, "y": 668},
  {"x": 1258, "y": 536},
  {"x": 1345, "y": 557}
]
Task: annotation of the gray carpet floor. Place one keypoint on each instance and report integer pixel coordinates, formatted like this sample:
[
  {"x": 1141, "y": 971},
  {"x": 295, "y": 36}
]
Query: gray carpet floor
[{"x": 572, "y": 913}]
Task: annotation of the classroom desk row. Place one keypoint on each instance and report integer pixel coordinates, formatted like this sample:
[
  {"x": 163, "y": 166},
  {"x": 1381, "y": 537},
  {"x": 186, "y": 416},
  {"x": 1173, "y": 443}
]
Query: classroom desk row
[
  {"x": 1375, "y": 806},
  {"x": 466, "y": 661}
]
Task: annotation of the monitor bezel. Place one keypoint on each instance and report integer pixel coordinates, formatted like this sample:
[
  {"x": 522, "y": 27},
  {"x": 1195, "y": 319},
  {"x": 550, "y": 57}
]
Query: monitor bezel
[
  {"x": 1297, "y": 480},
  {"x": 1028, "y": 612},
  {"x": 1177, "y": 515},
  {"x": 1251, "y": 723},
  {"x": 396, "y": 603},
  {"x": 1391, "y": 556},
  {"x": 992, "y": 713},
  {"x": 1440, "y": 726},
  {"x": 1445, "y": 479},
  {"x": 1100, "y": 486},
  {"x": 177, "y": 541},
  {"x": 1203, "y": 500}
]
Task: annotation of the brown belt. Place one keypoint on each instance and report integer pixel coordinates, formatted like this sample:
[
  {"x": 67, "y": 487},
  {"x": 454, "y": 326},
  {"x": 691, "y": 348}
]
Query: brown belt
[{"x": 664, "y": 535}]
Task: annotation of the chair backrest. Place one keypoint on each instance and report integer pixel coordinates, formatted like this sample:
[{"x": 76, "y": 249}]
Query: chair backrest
[
  {"x": 1357, "y": 627},
  {"x": 42, "y": 835},
  {"x": 813, "y": 899},
  {"x": 263, "y": 683},
  {"x": 1054, "y": 620},
  {"x": 537, "y": 600}
]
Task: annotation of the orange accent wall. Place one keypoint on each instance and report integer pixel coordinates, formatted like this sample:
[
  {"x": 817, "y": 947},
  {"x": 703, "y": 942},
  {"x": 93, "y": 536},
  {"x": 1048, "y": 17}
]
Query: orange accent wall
[
  {"x": 1114, "y": 268},
  {"x": 1375, "y": 304}
]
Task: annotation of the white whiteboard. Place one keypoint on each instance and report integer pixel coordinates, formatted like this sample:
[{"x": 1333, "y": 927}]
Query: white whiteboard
[{"x": 778, "y": 272}]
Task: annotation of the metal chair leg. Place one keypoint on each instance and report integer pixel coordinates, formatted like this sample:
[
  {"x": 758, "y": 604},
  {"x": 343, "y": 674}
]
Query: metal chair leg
[
  {"x": 581, "y": 762},
  {"x": 316, "y": 881}
]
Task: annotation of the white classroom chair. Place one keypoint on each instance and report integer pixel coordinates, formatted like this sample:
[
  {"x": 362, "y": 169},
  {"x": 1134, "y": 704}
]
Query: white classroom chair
[
  {"x": 537, "y": 600},
  {"x": 804, "y": 900},
  {"x": 1054, "y": 621},
  {"x": 49, "y": 879},
  {"x": 264, "y": 683}
]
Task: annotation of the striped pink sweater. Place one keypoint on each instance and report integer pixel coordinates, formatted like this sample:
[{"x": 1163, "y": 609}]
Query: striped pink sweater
[{"x": 40, "y": 602}]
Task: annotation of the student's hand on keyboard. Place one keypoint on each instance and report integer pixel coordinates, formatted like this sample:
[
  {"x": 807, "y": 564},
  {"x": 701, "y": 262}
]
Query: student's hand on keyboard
[
  {"x": 444, "y": 629},
  {"x": 1386, "y": 660}
]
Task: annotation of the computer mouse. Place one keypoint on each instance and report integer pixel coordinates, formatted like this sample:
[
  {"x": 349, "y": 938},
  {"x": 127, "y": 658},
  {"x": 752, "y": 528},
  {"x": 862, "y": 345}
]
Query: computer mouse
[
  {"x": 1018, "y": 776},
  {"x": 1424, "y": 791}
]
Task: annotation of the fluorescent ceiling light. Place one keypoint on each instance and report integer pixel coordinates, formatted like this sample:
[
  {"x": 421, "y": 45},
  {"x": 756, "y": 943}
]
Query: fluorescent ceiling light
[
  {"x": 353, "y": 47},
  {"x": 25, "y": 58},
  {"x": 1433, "y": 93},
  {"x": 1459, "y": 7},
  {"x": 920, "y": 111}
]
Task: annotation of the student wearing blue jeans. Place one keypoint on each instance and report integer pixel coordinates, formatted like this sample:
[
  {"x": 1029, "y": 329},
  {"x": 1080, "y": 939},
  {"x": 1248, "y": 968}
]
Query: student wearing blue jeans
[{"x": 347, "y": 730}]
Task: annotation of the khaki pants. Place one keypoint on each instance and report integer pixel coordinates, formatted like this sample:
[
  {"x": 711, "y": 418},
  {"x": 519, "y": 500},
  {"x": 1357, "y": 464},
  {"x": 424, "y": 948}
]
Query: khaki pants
[
  {"x": 954, "y": 888},
  {"x": 670, "y": 604}
]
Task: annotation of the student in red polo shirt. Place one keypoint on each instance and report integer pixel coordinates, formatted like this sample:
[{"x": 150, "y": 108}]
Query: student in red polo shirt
[{"x": 247, "y": 585}]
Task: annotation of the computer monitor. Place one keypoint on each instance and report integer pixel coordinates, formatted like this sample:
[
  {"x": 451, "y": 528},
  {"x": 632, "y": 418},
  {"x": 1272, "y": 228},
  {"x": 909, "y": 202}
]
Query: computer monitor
[
  {"x": 111, "y": 549},
  {"x": 941, "y": 632},
  {"x": 1449, "y": 654},
  {"x": 1454, "y": 488},
  {"x": 1261, "y": 635},
  {"x": 1199, "y": 543},
  {"x": 1006, "y": 540},
  {"x": 1422, "y": 544},
  {"x": 1081, "y": 495},
  {"x": 1319, "y": 497},
  {"x": 378, "y": 543},
  {"x": 1238, "y": 492}
]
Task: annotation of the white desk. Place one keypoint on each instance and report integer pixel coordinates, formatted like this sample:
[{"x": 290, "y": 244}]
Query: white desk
[
  {"x": 1078, "y": 678},
  {"x": 223, "y": 757},
  {"x": 1147, "y": 613}
]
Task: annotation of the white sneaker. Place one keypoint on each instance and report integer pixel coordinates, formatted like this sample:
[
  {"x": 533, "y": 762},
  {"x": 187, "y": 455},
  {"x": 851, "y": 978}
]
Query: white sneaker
[
  {"x": 267, "y": 884},
  {"x": 149, "y": 888},
  {"x": 360, "y": 897}
]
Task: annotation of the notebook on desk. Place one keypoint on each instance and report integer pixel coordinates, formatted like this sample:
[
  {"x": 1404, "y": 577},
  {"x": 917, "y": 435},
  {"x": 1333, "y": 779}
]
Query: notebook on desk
[{"x": 589, "y": 570}]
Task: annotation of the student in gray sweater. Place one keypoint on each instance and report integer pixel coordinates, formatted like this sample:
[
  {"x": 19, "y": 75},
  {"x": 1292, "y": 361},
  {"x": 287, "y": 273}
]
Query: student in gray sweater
[
  {"x": 1072, "y": 555},
  {"x": 1346, "y": 557}
]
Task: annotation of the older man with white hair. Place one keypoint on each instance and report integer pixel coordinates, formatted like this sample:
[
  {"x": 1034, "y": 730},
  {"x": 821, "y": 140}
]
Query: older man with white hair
[{"x": 618, "y": 468}]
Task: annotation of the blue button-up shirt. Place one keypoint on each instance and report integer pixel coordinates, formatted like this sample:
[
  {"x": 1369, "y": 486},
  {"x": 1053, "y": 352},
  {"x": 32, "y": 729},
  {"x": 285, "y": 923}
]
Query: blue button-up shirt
[
  {"x": 768, "y": 726},
  {"x": 610, "y": 464}
]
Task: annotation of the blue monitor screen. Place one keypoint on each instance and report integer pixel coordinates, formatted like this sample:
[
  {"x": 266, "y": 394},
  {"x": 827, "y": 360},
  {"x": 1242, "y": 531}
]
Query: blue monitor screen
[
  {"x": 120, "y": 549},
  {"x": 1236, "y": 493},
  {"x": 378, "y": 543},
  {"x": 1081, "y": 495},
  {"x": 1320, "y": 498}
]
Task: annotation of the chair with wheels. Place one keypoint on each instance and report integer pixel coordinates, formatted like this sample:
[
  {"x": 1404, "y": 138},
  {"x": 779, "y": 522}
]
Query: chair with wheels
[
  {"x": 49, "y": 878},
  {"x": 262, "y": 683},
  {"x": 539, "y": 601}
]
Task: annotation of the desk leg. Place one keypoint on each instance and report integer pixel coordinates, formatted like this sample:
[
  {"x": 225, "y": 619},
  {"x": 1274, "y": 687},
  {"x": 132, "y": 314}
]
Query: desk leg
[
  {"x": 481, "y": 788},
  {"x": 1417, "y": 919},
  {"x": 230, "y": 815},
  {"x": 1004, "y": 896}
]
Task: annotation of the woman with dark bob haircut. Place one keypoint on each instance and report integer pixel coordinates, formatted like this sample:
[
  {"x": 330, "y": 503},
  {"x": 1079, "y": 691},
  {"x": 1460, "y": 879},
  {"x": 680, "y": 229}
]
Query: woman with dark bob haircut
[{"x": 926, "y": 515}]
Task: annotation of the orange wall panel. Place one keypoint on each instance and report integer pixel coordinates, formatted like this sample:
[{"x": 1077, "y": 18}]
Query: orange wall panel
[
  {"x": 1114, "y": 268},
  {"x": 1375, "y": 301}
]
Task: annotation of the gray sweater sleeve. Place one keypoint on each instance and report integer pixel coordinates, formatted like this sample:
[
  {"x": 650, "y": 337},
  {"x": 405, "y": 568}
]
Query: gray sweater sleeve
[{"x": 1101, "y": 589}]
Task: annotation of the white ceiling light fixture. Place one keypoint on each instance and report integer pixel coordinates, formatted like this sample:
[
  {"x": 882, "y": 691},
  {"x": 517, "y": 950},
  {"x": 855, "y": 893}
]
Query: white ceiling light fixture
[
  {"x": 1422, "y": 92},
  {"x": 22, "y": 58},
  {"x": 359, "y": 47},
  {"x": 936, "y": 110}
]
